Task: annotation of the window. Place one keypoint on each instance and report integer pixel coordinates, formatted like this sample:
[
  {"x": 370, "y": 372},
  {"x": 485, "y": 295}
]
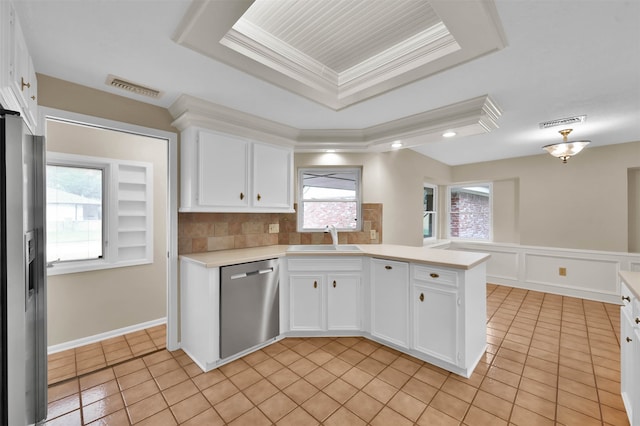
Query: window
[
  {"x": 470, "y": 212},
  {"x": 429, "y": 218},
  {"x": 99, "y": 213},
  {"x": 74, "y": 213},
  {"x": 329, "y": 197}
]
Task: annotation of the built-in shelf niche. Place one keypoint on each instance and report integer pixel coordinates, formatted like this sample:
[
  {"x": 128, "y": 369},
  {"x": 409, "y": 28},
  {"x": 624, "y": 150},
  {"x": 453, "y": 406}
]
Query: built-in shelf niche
[{"x": 134, "y": 212}]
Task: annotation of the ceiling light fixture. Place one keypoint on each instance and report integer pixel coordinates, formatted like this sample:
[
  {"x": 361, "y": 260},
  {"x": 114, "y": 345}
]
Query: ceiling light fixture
[
  {"x": 449, "y": 134},
  {"x": 396, "y": 144},
  {"x": 565, "y": 149},
  {"x": 330, "y": 150}
]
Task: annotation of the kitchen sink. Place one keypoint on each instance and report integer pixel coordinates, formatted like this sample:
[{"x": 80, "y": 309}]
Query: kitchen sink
[{"x": 323, "y": 247}]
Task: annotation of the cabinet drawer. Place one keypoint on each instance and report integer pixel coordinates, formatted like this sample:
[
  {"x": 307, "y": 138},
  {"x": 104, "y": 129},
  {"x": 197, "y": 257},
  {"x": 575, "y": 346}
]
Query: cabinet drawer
[
  {"x": 435, "y": 275},
  {"x": 328, "y": 264}
]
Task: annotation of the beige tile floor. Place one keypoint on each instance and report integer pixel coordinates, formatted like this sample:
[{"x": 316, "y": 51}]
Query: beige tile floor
[
  {"x": 551, "y": 360},
  {"x": 96, "y": 356}
]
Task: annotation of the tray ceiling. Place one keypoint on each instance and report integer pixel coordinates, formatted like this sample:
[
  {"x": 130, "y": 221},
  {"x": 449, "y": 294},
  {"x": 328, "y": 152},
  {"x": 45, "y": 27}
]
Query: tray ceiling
[{"x": 339, "y": 52}]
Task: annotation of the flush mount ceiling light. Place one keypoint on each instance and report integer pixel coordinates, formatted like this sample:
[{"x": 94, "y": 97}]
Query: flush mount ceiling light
[
  {"x": 565, "y": 149},
  {"x": 449, "y": 134},
  {"x": 396, "y": 144}
]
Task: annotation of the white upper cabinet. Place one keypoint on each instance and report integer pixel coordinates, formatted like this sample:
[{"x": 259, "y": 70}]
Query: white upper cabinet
[
  {"x": 18, "y": 84},
  {"x": 224, "y": 173},
  {"x": 272, "y": 177}
]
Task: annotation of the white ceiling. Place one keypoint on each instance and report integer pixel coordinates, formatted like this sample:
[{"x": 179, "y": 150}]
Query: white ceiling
[{"x": 563, "y": 58}]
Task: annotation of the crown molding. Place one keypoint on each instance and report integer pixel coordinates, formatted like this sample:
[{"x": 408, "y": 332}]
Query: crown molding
[
  {"x": 467, "y": 118},
  {"x": 468, "y": 30}
]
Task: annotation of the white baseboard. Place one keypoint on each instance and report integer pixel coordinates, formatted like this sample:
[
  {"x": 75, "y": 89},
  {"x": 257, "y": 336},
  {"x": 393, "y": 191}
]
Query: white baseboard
[{"x": 103, "y": 336}]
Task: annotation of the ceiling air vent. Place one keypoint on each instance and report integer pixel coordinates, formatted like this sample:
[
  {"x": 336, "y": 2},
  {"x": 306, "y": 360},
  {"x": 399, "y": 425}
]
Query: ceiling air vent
[
  {"x": 132, "y": 87},
  {"x": 563, "y": 121}
]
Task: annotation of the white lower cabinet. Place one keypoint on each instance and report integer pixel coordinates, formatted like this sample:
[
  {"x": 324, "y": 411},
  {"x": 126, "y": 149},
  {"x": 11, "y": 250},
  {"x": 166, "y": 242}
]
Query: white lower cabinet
[
  {"x": 630, "y": 354},
  {"x": 435, "y": 322},
  {"x": 306, "y": 302},
  {"x": 325, "y": 294},
  {"x": 450, "y": 332},
  {"x": 343, "y": 301},
  {"x": 199, "y": 313},
  {"x": 390, "y": 301}
]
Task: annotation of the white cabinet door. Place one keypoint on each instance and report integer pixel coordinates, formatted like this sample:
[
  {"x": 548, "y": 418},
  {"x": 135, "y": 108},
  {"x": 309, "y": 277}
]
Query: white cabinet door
[
  {"x": 18, "y": 84},
  {"x": 390, "y": 301},
  {"x": 435, "y": 324},
  {"x": 343, "y": 301},
  {"x": 272, "y": 177},
  {"x": 629, "y": 386},
  {"x": 306, "y": 302},
  {"x": 222, "y": 171}
]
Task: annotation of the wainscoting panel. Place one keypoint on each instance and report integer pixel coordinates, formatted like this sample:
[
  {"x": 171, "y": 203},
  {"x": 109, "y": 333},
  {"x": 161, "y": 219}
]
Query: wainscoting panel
[
  {"x": 581, "y": 274},
  {"x": 589, "y": 274}
]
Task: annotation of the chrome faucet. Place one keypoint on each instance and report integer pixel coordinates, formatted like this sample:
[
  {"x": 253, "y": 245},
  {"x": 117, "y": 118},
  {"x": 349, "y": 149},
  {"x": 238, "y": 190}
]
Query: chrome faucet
[{"x": 334, "y": 233}]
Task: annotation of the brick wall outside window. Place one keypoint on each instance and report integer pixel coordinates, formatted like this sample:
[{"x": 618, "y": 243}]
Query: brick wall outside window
[{"x": 470, "y": 216}]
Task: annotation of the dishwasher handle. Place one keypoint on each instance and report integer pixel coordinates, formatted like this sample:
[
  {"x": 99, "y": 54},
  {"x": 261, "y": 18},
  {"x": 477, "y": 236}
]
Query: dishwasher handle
[{"x": 248, "y": 274}]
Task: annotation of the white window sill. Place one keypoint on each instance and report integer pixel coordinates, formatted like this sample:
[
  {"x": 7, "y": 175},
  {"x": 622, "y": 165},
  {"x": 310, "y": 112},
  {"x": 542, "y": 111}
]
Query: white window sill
[{"x": 63, "y": 268}]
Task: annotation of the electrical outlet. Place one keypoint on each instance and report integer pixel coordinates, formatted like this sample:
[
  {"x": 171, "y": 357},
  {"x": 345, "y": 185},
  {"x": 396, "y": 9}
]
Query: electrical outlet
[
  {"x": 274, "y": 228},
  {"x": 373, "y": 234},
  {"x": 562, "y": 272}
]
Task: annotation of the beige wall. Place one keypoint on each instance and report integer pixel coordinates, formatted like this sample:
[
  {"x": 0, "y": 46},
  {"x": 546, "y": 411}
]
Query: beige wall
[
  {"x": 89, "y": 303},
  {"x": 67, "y": 96},
  {"x": 582, "y": 204},
  {"x": 394, "y": 179}
]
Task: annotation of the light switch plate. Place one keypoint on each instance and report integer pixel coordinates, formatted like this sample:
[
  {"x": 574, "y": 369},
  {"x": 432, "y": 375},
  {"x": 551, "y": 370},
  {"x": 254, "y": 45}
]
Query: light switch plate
[{"x": 373, "y": 234}]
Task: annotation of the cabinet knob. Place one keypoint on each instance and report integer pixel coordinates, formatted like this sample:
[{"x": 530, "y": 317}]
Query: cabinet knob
[
  {"x": 259, "y": 197},
  {"x": 334, "y": 283},
  {"x": 242, "y": 196},
  {"x": 33, "y": 97},
  {"x": 22, "y": 82},
  {"x": 315, "y": 284},
  {"x": 388, "y": 267},
  {"x": 421, "y": 297},
  {"x": 637, "y": 320},
  {"x": 434, "y": 275},
  {"x": 627, "y": 298},
  {"x": 629, "y": 339}
]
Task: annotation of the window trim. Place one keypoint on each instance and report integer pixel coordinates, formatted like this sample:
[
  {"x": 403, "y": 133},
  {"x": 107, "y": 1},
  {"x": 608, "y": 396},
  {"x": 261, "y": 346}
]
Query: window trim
[
  {"x": 112, "y": 196},
  {"x": 463, "y": 185},
  {"x": 300, "y": 213},
  {"x": 434, "y": 233}
]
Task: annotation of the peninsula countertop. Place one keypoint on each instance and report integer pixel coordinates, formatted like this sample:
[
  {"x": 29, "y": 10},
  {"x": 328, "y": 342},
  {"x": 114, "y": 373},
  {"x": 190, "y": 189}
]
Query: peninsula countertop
[{"x": 429, "y": 256}]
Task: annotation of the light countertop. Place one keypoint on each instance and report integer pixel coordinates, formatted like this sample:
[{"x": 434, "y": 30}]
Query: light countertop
[
  {"x": 632, "y": 279},
  {"x": 429, "y": 256}
]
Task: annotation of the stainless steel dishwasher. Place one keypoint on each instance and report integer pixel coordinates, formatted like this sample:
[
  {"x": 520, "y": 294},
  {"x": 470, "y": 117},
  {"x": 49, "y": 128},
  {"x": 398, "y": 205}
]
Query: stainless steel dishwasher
[{"x": 249, "y": 305}]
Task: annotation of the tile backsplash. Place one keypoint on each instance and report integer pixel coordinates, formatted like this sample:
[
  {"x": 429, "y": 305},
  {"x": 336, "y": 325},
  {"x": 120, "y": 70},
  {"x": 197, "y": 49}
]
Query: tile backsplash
[{"x": 201, "y": 232}]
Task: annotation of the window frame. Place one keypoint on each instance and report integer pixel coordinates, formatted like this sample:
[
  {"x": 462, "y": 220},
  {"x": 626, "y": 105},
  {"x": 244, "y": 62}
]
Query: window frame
[
  {"x": 300, "y": 212},
  {"x": 111, "y": 215},
  {"x": 465, "y": 185},
  {"x": 434, "y": 212}
]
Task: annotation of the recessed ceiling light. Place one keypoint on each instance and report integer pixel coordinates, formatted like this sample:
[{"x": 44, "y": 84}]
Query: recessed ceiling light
[
  {"x": 396, "y": 144},
  {"x": 449, "y": 134},
  {"x": 330, "y": 150}
]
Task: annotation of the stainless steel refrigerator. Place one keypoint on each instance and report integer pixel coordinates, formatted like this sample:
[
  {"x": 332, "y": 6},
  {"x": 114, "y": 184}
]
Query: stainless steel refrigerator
[{"x": 23, "y": 335}]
